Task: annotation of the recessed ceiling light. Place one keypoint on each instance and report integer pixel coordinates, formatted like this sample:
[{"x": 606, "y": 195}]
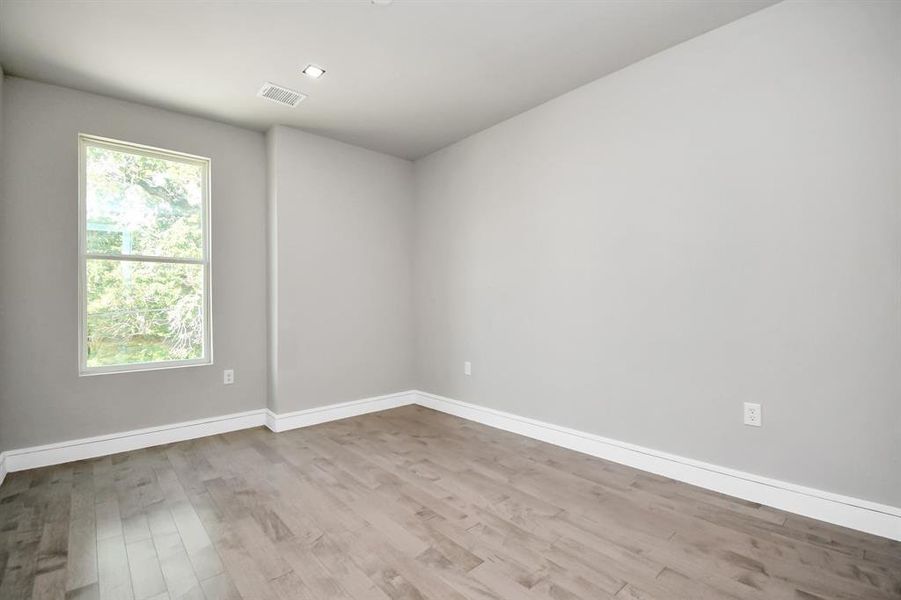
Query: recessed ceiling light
[
  {"x": 382, "y": 2},
  {"x": 313, "y": 71}
]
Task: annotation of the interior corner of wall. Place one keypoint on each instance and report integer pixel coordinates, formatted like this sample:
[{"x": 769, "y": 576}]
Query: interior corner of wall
[{"x": 271, "y": 140}]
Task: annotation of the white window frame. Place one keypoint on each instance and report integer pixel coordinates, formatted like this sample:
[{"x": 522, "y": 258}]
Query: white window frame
[{"x": 85, "y": 140}]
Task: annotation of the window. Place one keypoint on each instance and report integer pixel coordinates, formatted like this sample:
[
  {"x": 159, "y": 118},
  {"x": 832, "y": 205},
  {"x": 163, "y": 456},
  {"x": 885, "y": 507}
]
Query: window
[{"x": 143, "y": 257}]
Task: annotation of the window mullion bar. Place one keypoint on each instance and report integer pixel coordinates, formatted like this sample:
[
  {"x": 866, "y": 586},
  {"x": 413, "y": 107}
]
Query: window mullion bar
[{"x": 143, "y": 258}]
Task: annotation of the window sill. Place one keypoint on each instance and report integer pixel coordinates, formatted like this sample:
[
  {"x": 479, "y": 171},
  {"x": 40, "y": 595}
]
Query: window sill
[{"x": 142, "y": 367}]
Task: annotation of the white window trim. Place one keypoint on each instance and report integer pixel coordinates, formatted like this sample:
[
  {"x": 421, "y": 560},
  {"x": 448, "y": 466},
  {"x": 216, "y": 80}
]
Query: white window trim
[{"x": 206, "y": 164}]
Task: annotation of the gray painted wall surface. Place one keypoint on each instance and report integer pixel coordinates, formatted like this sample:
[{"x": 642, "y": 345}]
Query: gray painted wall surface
[
  {"x": 341, "y": 302},
  {"x": 42, "y": 398},
  {"x": 719, "y": 223},
  {"x": 716, "y": 224},
  {"x": 3, "y": 218}
]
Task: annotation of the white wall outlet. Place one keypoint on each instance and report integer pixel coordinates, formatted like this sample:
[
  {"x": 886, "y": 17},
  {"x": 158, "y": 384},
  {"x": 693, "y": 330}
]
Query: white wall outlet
[
  {"x": 753, "y": 415},
  {"x": 467, "y": 368},
  {"x": 228, "y": 376}
]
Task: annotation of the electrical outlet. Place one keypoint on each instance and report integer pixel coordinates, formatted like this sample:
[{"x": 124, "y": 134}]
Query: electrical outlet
[
  {"x": 228, "y": 376},
  {"x": 467, "y": 368},
  {"x": 753, "y": 414}
]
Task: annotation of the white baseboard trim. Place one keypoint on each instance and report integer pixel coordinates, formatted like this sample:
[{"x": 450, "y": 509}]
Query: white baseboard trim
[
  {"x": 863, "y": 515},
  {"x": 63, "y": 452},
  {"x": 333, "y": 412},
  {"x": 854, "y": 513},
  {"x": 72, "y": 450}
]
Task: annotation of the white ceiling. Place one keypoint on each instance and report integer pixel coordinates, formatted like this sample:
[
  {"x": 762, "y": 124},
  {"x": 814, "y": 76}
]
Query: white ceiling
[{"x": 406, "y": 79}]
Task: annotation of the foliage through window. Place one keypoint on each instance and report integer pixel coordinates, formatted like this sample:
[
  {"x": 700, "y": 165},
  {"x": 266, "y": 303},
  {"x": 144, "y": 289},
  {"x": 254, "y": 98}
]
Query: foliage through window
[{"x": 144, "y": 257}]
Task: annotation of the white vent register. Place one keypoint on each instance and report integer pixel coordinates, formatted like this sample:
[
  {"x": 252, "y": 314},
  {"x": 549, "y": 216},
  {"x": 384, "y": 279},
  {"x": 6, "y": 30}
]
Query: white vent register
[{"x": 282, "y": 95}]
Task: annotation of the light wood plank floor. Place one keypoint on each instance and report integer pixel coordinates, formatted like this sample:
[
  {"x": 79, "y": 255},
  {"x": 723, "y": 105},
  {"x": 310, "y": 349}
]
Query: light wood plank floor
[{"x": 408, "y": 503}]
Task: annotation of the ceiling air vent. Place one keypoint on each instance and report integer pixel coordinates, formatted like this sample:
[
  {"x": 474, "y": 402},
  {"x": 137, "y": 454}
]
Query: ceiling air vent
[{"x": 279, "y": 94}]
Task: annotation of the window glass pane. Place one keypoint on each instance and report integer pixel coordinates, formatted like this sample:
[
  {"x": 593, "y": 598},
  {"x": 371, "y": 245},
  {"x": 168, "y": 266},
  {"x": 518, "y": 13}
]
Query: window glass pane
[
  {"x": 137, "y": 204},
  {"x": 143, "y": 312}
]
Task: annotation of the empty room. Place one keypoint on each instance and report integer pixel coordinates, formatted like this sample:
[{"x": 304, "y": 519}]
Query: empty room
[{"x": 450, "y": 300}]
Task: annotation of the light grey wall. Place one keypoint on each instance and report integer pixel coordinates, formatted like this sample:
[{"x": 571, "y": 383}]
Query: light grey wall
[
  {"x": 2, "y": 220},
  {"x": 42, "y": 398},
  {"x": 341, "y": 304},
  {"x": 716, "y": 224}
]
